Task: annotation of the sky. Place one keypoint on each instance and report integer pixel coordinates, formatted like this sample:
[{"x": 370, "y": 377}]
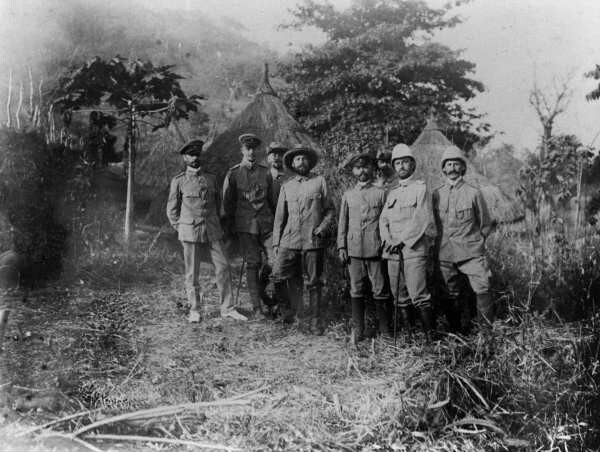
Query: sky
[{"x": 514, "y": 44}]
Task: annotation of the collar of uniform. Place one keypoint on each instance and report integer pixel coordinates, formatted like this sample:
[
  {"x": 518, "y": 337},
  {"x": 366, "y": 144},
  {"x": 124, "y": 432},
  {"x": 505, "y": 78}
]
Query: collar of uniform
[
  {"x": 301, "y": 178},
  {"x": 362, "y": 185},
  {"x": 406, "y": 182},
  {"x": 456, "y": 183},
  {"x": 248, "y": 165},
  {"x": 192, "y": 171}
]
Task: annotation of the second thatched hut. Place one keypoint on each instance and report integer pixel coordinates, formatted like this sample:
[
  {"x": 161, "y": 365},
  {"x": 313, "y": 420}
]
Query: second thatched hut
[{"x": 428, "y": 149}]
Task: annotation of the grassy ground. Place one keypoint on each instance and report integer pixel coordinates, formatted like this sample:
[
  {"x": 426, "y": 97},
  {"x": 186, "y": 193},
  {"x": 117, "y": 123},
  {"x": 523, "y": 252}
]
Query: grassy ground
[{"x": 121, "y": 348}]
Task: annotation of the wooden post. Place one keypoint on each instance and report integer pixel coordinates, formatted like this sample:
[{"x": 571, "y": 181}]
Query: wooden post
[
  {"x": 9, "y": 100},
  {"x": 3, "y": 322},
  {"x": 130, "y": 177}
]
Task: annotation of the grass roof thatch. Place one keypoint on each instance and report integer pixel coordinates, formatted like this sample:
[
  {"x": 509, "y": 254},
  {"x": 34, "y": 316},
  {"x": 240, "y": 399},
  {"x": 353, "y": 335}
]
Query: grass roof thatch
[
  {"x": 265, "y": 116},
  {"x": 428, "y": 149}
]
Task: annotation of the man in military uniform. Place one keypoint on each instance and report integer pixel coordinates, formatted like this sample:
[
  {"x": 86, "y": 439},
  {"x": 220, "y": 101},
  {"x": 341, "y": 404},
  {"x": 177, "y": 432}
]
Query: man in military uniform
[
  {"x": 464, "y": 223},
  {"x": 248, "y": 206},
  {"x": 359, "y": 243},
  {"x": 303, "y": 218},
  {"x": 275, "y": 154},
  {"x": 192, "y": 209},
  {"x": 386, "y": 176},
  {"x": 407, "y": 229}
]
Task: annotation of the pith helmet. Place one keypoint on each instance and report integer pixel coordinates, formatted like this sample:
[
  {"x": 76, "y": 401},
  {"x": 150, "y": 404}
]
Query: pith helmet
[
  {"x": 310, "y": 153},
  {"x": 453, "y": 153},
  {"x": 192, "y": 147},
  {"x": 401, "y": 151}
]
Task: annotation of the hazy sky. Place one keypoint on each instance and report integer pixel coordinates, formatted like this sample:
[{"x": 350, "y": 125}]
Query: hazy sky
[{"x": 512, "y": 42}]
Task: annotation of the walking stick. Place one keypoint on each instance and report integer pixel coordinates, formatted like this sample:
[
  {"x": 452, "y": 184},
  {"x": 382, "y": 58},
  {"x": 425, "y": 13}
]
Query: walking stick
[{"x": 396, "y": 306}]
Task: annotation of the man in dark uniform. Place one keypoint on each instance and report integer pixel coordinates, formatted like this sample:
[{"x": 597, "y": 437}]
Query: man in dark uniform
[
  {"x": 248, "y": 207},
  {"x": 193, "y": 210},
  {"x": 304, "y": 215}
]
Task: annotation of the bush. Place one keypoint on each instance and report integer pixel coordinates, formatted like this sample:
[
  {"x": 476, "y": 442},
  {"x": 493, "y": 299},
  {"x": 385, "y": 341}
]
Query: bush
[
  {"x": 550, "y": 273},
  {"x": 37, "y": 181}
]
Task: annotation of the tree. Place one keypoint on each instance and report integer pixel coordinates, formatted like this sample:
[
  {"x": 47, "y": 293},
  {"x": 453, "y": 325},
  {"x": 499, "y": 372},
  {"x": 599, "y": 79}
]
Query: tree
[
  {"x": 378, "y": 76},
  {"x": 556, "y": 179},
  {"x": 137, "y": 91},
  {"x": 595, "y": 93},
  {"x": 548, "y": 107}
]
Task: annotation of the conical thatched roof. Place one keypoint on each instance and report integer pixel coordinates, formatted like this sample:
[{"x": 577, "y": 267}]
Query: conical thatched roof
[
  {"x": 428, "y": 149},
  {"x": 265, "y": 116}
]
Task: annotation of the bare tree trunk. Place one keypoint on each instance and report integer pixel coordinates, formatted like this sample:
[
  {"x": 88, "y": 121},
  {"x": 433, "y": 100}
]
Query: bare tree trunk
[
  {"x": 9, "y": 101},
  {"x": 19, "y": 106},
  {"x": 31, "y": 109},
  {"x": 130, "y": 180}
]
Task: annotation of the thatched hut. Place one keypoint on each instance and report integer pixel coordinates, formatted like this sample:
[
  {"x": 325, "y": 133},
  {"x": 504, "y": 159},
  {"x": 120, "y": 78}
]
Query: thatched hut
[
  {"x": 265, "y": 116},
  {"x": 429, "y": 147}
]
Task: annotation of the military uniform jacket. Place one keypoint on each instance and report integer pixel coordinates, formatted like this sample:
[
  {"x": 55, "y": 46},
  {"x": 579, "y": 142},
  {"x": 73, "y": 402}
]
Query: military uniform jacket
[
  {"x": 386, "y": 183},
  {"x": 463, "y": 220},
  {"x": 248, "y": 199},
  {"x": 277, "y": 179},
  {"x": 358, "y": 226},
  {"x": 303, "y": 209},
  {"x": 193, "y": 207},
  {"x": 407, "y": 217}
]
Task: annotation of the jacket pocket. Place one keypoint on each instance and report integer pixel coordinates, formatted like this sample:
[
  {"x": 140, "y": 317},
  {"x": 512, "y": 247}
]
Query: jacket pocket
[{"x": 464, "y": 212}]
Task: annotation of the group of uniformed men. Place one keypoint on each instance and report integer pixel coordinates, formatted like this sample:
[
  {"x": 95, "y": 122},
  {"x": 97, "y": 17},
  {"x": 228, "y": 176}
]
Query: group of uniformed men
[{"x": 388, "y": 223}]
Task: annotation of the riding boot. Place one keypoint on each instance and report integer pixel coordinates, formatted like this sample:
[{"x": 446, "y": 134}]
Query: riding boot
[
  {"x": 383, "y": 317},
  {"x": 252, "y": 279},
  {"x": 454, "y": 315},
  {"x": 299, "y": 310},
  {"x": 404, "y": 313},
  {"x": 316, "y": 326},
  {"x": 426, "y": 322},
  {"x": 358, "y": 319},
  {"x": 485, "y": 309}
]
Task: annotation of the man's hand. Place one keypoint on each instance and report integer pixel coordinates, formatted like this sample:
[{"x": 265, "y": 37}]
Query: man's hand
[
  {"x": 317, "y": 232},
  {"x": 397, "y": 248},
  {"x": 343, "y": 255}
]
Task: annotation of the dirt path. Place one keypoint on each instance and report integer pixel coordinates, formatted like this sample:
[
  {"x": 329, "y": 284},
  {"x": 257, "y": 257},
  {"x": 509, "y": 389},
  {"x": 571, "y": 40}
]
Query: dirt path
[{"x": 125, "y": 350}]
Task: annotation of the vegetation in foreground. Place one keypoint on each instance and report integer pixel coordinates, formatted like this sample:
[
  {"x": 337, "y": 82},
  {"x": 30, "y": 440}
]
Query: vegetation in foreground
[{"x": 96, "y": 349}]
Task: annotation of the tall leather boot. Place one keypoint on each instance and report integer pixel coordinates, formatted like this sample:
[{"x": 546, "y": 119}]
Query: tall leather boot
[
  {"x": 358, "y": 320},
  {"x": 485, "y": 310},
  {"x": 282, "y": 297},
  {"x": 383, "y": 317},
  {"x": 252, "y": 279},
  {"x": 299, "y": 310},
  {"x": 426, "y": 322},
  {"x": 404, "y": 314},
  {"x": 454, "y": 315},
  {"x": 316, "y": 326}
]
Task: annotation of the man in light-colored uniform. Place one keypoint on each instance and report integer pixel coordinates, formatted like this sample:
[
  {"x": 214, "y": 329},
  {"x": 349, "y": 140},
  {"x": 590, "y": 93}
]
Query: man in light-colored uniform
[
  {"x": 464, "y": 223},
  {"x": 193, "y": 210},
  {"x": 407, "y": 229},
  {"x": 359, "y": 244}
]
